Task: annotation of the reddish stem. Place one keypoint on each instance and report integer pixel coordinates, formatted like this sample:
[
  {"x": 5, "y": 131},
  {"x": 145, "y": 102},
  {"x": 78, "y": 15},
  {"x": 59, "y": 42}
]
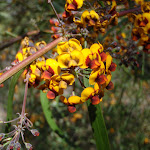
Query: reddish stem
[
  {"x": 125, "y": 12},
  {"x": 30, "y": 59}
]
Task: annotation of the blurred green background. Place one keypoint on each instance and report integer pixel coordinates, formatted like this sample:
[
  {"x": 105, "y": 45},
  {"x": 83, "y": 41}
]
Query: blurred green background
[{"x": 126, "y": 108}]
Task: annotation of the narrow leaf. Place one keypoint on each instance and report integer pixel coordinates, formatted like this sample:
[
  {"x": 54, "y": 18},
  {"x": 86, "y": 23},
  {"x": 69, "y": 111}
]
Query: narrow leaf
[
  {"x": 97, "y": 123},
  {"x": 50, "y": 120},
  {"x": 10, "y": 96}
]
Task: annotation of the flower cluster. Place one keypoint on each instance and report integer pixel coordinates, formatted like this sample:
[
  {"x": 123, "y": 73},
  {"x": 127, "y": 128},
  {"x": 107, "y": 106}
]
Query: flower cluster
[
  {"x": 79, "y": 23},
  {"x": 28, "y": 48},
  {"x": 141, "y": 30},
  {"x": 69, "y": 63},
  {"x": 12, "y": 138}
]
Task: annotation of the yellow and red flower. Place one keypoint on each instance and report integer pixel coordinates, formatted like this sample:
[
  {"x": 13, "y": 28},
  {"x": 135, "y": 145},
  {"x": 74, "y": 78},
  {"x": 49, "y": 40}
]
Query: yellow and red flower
[
  {"x": 73, "y": 4},
  {"x": 69, "y": 46},
  {"x": 94, "y": 94},
  {"x": 71, "y": 102},
  {"x": 72, "y": 59}
]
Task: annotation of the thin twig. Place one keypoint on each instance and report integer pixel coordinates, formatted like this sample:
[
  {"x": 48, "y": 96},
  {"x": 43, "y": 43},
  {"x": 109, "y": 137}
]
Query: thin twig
[
  {"x": 25, "y": 95},
  {"x": 14, "y": 40},
  {"x": 125, "y": 12},
  {"x": 49, "y": 1}
]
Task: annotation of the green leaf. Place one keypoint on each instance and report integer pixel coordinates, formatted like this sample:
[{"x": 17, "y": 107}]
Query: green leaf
[
  {"x": 10, "y": 97},
  {"x": 50, "y": 120},
  {"x": 48, "y": 114},
  {"x": 97, "y": 123},
  {"x": 101, "y": 3}
]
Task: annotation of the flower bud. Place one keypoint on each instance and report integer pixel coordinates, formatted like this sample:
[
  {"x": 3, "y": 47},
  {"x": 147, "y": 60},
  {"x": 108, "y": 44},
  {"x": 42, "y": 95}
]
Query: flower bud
[
  {"x": 1, "y": 146},
  {"x": 17, "y": 146},
  {"x": 11, "y": 145},
  {"x": 28, "y": 146},
  {"x": 35, "y": 132},
  {"x": 2, "y": 135},
  {"x": 1, "y": 121}
]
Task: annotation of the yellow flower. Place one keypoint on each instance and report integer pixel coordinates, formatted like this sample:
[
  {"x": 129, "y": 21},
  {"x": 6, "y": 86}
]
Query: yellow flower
[
  {"x": 40, "y": 62},
  {"x": 137, "y": 33},
  {"x": 97, "y": 75},
  {"x": 110, "y": 66},
  {"x": 98, "y": 48},
  {"x": 32, "y": 78},
  {"x": 40, "y": 45},
  {"x": 73, "y": 4},
  {"x": 25, "y": 42},
  {"x": 71, "y": 102},
  {"x": 35, "y": 70},
  {"x": 52, "y": 66},
  {"x": 72, "y": 44},
  {"x": 108, "y": 61},
  {"x": 108, "y": 84},
  {"x": 94, "y": 94},
  {"x": 54, "y": 90},
  {"x": 31, "y": 50},
  {"x": 91, "y": 18},
  {"x": 145, "y": 7},
  {"x": 72, "y": 59},
  {"x": 140, "y": 2},
  {"x": 142, "y": 20},
  {"x": 63, "y": 80},
  {"x": 19, "y": 56},
  {"x": 92, "y": 56},
  {"x": 147, "y": 28}
]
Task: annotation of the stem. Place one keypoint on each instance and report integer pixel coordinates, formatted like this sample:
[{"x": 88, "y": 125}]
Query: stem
[
  {"x": 125, "y": 12},
  {"x": 30, "y": 59},
  {"x": 14, "y": 40},
  {"x": 49, "y": 1},
  {"x": 25, "y": 96},
  {"x": 81, "y": 82},
  {"x": 97, "y": 123},
  {"x": 11, "y": 120}
]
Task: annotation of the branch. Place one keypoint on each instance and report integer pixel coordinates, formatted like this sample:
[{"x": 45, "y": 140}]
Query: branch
[
  {"x": 30, "y": 59},
  {"x": 125, "y": 12},
  {"x": 14, "y": 40}
]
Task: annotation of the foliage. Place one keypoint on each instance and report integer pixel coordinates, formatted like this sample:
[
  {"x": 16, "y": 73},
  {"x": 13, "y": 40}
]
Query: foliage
[{"x": 104, "y": 46}]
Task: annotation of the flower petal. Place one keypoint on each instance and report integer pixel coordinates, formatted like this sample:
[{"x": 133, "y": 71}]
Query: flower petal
[
  {"x": 87, "y": 93},
  {"x": 77, "y": 56},
  {"x": 63, "y": 60},
  {"x": 103, "y": 56},
  {"x": 72, "y": 100},
  {"x": 62, "y": 84},
  {"x": 112, "y": 67},
  {"x": 110, "y": 86},
  {"x": 101, "y": 79},
  {"x": 67, "y": 77},
  {"x": 46, "y": 75},
  {"x": 95, "y": 100},
  {"x": 108, "y": 62},
  {"x": 71, "y": 108},
  {"x": 64, "y": 100},
  {"x": 52, "y": 66},
  {"x": 96, "y": 48},
  {"x": 51, "y": 95}
]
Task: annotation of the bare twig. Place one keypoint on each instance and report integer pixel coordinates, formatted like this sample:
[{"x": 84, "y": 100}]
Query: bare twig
[
  {"x": 14, "y": 40},
  {"x": 49, "y": 1},
  {"x": 125, "y": 12}
]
